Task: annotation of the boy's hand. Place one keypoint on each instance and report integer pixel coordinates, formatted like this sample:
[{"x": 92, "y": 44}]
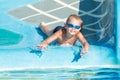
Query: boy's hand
[
  {"x": 43, "y": 46},
  {"x": 84, "y": 51}
]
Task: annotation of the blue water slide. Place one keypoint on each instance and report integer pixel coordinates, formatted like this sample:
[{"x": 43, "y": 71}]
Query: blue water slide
[{"x": 19, "y": 37}]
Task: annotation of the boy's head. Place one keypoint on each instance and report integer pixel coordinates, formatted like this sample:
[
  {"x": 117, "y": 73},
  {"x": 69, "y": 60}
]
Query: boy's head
[{"x": 73, "y": 24}]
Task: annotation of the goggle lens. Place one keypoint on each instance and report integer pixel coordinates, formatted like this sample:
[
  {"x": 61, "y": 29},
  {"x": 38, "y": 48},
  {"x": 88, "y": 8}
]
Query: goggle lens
[{"x": 73, "y": 26}]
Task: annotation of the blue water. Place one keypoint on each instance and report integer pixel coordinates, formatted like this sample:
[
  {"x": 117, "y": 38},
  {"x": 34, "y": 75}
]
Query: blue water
[
  {"x": 63, "y": 74},
  {"x": 22, "y": 61}
]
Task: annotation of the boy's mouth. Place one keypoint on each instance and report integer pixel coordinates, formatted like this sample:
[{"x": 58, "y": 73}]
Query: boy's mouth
[{"x": 72, "y": 32}]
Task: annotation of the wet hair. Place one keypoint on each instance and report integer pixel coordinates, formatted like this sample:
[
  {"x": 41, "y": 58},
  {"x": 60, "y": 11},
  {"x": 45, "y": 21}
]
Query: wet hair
[{"x": 76, "y": 17}]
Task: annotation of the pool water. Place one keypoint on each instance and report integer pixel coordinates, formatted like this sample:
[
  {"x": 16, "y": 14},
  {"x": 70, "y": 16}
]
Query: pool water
[
  {"x": 23, "y": 55},
  {"x": 63, "y": 74}
]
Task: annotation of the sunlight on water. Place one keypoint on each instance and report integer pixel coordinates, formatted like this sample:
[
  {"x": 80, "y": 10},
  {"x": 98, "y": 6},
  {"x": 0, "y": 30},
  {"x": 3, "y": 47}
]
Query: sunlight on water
[{"x": 63, "y": 74}]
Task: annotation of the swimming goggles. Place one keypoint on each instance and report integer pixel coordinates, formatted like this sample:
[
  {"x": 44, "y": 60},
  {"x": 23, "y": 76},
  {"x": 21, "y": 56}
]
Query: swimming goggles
[{"x": 73, "y": 26}]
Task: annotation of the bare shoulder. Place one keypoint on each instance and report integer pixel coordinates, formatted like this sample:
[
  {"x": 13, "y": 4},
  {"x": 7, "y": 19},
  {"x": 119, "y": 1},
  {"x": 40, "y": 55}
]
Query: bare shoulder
[
  {"x": 59, "y": 32},
  {"x": 79, "y": 34}
]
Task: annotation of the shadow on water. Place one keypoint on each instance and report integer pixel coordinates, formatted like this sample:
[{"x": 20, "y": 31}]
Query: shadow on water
[
  {"x": 38, "y": 52},
  {"x": 41, "y": 33},
  {"x": 35, "y": 50},
  {"x": 76, "y": 53}
]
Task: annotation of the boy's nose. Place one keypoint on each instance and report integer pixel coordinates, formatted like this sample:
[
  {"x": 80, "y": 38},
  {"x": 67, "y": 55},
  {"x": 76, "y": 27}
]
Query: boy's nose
[{"x": 73, "y": 29}]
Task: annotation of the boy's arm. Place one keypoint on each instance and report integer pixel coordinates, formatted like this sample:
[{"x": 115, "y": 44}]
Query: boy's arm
[
  {"x": 50, "y": 39},
  {"x": 84, "y": 42}
]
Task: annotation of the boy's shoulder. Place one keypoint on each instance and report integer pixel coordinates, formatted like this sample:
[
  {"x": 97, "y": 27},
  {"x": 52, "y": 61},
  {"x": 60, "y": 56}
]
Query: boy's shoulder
[
  {"x": 59, "y": 32},
  {"x": 79, "y": 33}
]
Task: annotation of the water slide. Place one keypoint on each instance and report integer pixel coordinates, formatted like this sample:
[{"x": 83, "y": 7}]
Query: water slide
[{"x": 20, "y": 33}]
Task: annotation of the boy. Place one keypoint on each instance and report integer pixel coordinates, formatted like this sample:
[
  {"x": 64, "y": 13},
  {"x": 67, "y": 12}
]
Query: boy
[{"x": 66, "y": 35}]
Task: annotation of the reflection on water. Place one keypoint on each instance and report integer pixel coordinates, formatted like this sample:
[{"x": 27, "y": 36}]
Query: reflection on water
[{"x": 63, "y": 74}]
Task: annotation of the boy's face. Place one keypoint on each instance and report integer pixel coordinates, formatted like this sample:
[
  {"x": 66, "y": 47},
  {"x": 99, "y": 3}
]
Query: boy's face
[{"x": 73, "y": 26}]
